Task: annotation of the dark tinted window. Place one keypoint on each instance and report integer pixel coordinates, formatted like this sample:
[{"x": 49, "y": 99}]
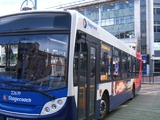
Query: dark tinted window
[
  {"x": 156, "y": 66},
  {"x": 133, "y": 66},
  {"x": 124, "y": 66},
  {"x": 116, "y": 64},
  {"x": 35, "y": 21}
]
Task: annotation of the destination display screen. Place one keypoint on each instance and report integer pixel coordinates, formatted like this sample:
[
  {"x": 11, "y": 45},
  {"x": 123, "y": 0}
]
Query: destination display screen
[{"x": 35, "y": 21}]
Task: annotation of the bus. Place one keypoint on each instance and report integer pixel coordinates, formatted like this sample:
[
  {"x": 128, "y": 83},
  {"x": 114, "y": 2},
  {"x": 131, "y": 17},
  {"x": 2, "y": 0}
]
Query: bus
[{"x": 59, "y": 65}]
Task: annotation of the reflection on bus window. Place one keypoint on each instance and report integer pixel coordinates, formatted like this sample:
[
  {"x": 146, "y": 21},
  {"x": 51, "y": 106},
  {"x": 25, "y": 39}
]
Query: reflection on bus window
[
  {"x": 8, "y": 58},
  {"x": 39, "y": 60}
]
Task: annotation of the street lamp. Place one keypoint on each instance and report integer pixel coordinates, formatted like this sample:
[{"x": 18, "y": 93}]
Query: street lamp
[{"x": 25, "y": 5}]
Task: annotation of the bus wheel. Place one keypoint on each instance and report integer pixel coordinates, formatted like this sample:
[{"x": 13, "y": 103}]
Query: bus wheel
[{"x": 104, "y": 107}]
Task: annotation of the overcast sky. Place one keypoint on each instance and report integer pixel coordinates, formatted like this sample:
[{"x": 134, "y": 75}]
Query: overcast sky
[{"x": 9, "y": 6}]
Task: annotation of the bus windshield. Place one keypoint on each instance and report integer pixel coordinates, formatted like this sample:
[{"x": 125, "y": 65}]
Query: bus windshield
[{"x": 37, "y": 61}]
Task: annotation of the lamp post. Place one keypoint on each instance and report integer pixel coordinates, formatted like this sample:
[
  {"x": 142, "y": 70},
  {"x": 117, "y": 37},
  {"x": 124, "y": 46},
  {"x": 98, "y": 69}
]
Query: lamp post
[{"x": 25, "y": 5}]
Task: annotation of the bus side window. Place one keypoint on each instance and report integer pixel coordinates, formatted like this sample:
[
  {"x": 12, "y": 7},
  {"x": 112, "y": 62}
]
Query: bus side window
[
  {"x": 133, "y": 66},
  {"x": 137, "y": 66},
  {"x": 124, "y": 66},
  {"x": 129, "y": 69},
  {"x": 80, "y": 63},
  {"x": 106, "y": 55},
  {"x": 116, "y": 64}
]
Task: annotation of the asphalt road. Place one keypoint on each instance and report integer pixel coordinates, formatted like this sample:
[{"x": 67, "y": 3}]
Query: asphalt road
[{"x": 145, "y": 106}]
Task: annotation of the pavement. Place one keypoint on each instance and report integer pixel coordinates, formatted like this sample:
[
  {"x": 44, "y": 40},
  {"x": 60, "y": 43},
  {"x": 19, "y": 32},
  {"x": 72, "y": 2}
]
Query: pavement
[{"x": 145, "y": 106}]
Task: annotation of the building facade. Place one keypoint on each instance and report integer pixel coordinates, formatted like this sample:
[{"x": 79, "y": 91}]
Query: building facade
[
  {"x": 152, "y": 39},
  {"x": 120, "y": 17}
]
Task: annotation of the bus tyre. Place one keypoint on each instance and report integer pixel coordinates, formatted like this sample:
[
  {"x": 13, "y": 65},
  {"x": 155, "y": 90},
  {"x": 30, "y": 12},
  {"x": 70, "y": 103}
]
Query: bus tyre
[{"x": 104, "y": 107}]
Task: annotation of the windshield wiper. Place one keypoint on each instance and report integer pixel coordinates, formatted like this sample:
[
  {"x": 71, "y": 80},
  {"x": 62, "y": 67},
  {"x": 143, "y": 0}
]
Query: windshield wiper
[{"x": 29, "y": 88}]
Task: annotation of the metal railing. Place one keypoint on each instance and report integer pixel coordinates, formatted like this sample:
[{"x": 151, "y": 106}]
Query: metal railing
[{"x": 153, "y": 78}]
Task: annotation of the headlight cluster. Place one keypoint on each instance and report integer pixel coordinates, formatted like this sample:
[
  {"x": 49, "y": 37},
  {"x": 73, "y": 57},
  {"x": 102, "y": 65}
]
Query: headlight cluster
[{"x": 53, "y": 106}]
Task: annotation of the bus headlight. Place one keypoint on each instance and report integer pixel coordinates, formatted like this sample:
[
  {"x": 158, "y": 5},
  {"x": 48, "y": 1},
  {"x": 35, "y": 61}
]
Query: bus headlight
[
  {"x": 60, "y": 102},
  {"x": 53, "y": 106},
  {"x": 47, "y": 109}
]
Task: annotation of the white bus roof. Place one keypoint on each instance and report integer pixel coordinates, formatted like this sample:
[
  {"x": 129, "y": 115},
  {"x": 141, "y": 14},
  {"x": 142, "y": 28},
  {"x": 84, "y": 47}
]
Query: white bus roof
[{"x": 88, "y": 26}]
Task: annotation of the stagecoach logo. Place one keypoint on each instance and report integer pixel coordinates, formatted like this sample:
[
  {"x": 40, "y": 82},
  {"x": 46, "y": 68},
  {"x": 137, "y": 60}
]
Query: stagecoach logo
[
  {"x": 88, "y": 24},
  {"x": 4, "y": 97},
  {"x": 16, "y": 99}
]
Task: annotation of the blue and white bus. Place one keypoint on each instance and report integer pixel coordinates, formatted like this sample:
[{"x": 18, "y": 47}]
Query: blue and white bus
[{"x": 59, "y": 65}]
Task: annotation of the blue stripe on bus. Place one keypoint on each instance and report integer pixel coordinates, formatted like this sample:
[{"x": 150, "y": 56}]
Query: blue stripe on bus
[
  {"x": 117, "y": 100},
  {"x": 35, "y": 103},
  {"x": 68, "y": 112}
]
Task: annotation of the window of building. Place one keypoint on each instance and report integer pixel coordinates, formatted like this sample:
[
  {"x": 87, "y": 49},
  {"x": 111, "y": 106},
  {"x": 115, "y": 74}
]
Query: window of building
[
  {"x": 122, "y": 35},
  {"x": 129, "y": 34},
  {"x": 157, "y": 53},
  {"x": 157, "y": 66},
  {"x": 143, "y": 49},
  {"x": 125, "y": 4},
  {"x": 142, "y": 2},
  {"x": 107, "y": 7},
  {"x": 156, "y": 40},
  {"x": 143, "y": 10},
  {"x": 156, "y": 26},
  {"x": 117, "y": 6},
  {"x": 143, "y": 25},
  {"x": 131, "y": 3},
  {"x": 156, "y": 11}
]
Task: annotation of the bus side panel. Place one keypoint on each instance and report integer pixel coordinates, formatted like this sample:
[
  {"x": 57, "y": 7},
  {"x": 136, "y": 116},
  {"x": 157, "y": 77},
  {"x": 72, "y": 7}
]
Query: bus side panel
[
  {"x": 121, "y": 92},
  {"x": 138, "y": 80},
  {"x": 117, "y": 100}
]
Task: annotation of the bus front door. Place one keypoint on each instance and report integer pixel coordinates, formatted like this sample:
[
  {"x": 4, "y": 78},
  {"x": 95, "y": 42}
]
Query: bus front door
[{"x": 87, "y": 75}]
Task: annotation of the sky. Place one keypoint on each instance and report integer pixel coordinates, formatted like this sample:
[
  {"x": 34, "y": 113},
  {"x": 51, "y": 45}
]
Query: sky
[{"x": 10, "y": 6}]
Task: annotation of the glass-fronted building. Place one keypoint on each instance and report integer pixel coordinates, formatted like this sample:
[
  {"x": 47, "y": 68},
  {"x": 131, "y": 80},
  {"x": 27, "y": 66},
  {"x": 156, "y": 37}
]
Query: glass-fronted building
[
  {"x": 150, "y": 36},
  {"x": 115, "y": 17},
  {"x": 156, "y": 58},
  {"x": 120, "y": 17}
]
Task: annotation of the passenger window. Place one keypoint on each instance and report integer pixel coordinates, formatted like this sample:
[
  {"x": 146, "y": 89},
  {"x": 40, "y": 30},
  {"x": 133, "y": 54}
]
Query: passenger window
[
  {"x": 137, "y": 66},
  {"x": 129, "y": 67},
  {"x": 124, "y": 66},
  {"x": 106, "y": 55},
  {"x": 133, "y": 66},
  {"x": 116, "y": 64}
]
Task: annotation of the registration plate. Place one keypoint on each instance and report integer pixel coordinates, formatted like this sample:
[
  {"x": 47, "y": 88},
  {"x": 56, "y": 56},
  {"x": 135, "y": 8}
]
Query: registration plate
[{"x": 8, "y": 118}]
